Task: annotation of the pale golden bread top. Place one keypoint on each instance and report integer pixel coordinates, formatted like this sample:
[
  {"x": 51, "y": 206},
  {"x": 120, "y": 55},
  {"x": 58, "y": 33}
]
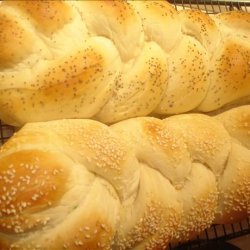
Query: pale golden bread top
[
  {"x": 112, "y": 60},
  {"x": 140, "y": 183}
]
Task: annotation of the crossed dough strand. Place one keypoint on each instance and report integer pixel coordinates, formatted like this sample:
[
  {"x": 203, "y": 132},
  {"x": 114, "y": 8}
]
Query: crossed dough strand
[
  {"x": 113, "y": 60},
  {"x": 138, "y": 184}
]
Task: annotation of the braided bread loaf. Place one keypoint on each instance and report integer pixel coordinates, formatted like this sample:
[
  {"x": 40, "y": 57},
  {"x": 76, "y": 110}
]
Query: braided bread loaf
[
  {"x": 112, "y": 60},
  {"x": 138, "y": 184}
]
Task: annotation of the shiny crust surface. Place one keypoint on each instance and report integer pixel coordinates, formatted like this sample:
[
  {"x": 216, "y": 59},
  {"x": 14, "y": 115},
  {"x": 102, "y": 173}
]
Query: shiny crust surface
[
  {"x": 114, "y": 60},
  {"x": 141, "y": 183}
]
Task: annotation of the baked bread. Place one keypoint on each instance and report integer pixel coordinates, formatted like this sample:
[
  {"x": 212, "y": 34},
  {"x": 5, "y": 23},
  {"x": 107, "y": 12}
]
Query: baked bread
[
  {"x": 138, "y": 184},
  {"x": 112, "y": 60}
]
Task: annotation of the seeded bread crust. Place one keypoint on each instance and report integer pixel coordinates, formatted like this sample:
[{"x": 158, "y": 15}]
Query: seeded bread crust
[
  {"x": 138, "y": 184},
  {"x": 112, "y": 60}
]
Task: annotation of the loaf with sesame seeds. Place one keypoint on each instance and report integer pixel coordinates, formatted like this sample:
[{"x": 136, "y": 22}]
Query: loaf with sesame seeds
[
  {"x": 113, "y": 60},
  {"x": 141, "y": 183}
]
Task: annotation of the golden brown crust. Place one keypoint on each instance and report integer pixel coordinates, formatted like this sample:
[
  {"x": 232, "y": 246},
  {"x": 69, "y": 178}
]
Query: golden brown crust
[
  {"x": 140, "y": 95},
  {"x": 156, "y": 16},
  {"x": 188, "y": 81},
  {"x": 15, "y": 41},
  {"x": 235, "y": 20},
  {"x": 140, "y": 183},
  {"x": 42, "y": 187},
  {"x": 48, "y": 16},
  {"x": 76, "y": 75},
  {"x": 200, "y": 61},
  {"x": 114, "y": 19},
  {"x": 234, "y": 184},
  {"x": 237, "y": 123},
  {"x": 199, "y": 25},
  {"x": 230, "y": 74}
]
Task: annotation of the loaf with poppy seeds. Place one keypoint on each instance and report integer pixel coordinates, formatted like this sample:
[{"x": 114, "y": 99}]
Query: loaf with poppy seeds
[
  {"x": 141, "y": 183},
  {"x": 112, "y": 60}
]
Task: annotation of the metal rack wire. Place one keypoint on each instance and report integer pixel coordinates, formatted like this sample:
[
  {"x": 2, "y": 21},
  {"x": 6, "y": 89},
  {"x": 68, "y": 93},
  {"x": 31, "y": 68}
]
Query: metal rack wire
[
  {"x": 5, "y": 132},
  {"x": 217, "y": 236},
  {"x": 212, "y": 6}
]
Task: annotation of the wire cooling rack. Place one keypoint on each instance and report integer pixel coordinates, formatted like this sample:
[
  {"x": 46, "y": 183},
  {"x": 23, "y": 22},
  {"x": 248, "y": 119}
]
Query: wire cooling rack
[
  {"x": 5, "y": 132},
  {"x": 218, "y": 236},
  {"x": 212, "y": 6}
]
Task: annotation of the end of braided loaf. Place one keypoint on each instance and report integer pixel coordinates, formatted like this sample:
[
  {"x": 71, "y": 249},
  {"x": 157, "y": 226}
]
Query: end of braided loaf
[
  {"x": 112, "y": 60},
  {"x": 140, "y": 183}
]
